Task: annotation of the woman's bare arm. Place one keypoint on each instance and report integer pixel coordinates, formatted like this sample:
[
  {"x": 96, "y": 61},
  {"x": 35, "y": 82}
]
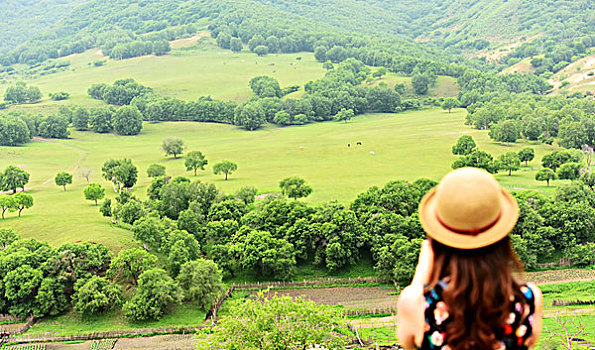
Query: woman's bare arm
[
  {"x": 410, "y": 309},
  {"x": 536, "y": 316},
  {"x": 410, "y": 316}
]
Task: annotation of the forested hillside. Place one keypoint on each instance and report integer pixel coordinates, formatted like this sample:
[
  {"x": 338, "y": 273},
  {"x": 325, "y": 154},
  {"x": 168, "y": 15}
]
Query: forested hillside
[
  {"x": 562, "y": 30},
  {"x": 31, "y": 17}
]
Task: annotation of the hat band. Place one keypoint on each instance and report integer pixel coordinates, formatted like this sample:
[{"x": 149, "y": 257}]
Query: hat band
[{"x": 473, "y": 232}]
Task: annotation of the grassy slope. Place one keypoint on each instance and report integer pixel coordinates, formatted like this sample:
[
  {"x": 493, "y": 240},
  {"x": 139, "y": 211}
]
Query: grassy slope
[
  {"x": 186, "y": 73},
  {"x": 186, "y": 315},
  {"x": 407, "y": 146}
]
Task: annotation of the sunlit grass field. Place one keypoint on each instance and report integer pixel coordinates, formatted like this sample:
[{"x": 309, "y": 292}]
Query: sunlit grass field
[
  {"x": 188, "y": 72},
  {"x": 406, "y": 146}
]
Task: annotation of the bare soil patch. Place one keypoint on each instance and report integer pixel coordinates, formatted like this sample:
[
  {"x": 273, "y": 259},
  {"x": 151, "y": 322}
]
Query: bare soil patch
[
  {"x": 559, "y": 276},
  {"x": 349, "y": 297},
  {"x": 162, "y": 342}
]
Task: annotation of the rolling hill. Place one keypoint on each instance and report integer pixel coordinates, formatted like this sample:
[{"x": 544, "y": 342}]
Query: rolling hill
[{"x": 20, "y": 20}]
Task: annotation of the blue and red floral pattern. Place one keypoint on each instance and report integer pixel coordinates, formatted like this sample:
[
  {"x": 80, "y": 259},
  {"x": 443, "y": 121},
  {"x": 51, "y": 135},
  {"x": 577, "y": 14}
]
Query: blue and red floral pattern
[{"x": 513, "y": 335}]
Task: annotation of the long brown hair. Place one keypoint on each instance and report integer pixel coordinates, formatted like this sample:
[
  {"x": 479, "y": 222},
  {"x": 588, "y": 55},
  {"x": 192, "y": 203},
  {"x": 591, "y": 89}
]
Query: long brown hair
[{"x": 479, "y": 291}]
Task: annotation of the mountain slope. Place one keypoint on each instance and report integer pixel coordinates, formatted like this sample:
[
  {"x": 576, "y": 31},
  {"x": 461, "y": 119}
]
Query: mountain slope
[{"x": 22, "y": 19}]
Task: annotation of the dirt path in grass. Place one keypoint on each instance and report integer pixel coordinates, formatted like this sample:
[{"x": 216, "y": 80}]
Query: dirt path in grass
[{"x": 83, "y": 154}]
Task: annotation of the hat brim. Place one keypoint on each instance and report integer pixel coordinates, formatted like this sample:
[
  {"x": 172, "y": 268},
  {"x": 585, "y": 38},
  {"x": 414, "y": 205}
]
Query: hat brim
[{"x": 436, "y": 230}]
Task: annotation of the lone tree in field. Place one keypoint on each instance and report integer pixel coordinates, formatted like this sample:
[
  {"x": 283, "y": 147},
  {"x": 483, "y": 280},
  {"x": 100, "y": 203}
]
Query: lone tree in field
[
  {"x": 173, "y": 146},
  {"x": 63, "y": 179},
  {"x": 121, "y": 172},
  {"x": 13, "y": 178},
  {"x": 7, "y": 203},
  {"x": 156, "y": 170},
  {"x": 295, "y": 187},
  {"x": 509, "y": 161},
  {"x": 195, "y": 160},
  {"x": 450, "y": 103},
  {"x": 22, "y": 201},
  {"x": 85, "y": 173},
  {"x": 526, "y": 155},
  {"x": 464, "y": 146},
  {"x": 94, "y": 192},
  {"x": 344, "y": 115},
  {"x": 545, "y": 174},
  {"x": 225, "y": 167}
]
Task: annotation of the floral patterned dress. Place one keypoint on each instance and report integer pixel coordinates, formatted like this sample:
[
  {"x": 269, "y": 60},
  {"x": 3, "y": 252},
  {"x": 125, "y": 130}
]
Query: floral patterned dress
[{"x": 513, "y": 335}]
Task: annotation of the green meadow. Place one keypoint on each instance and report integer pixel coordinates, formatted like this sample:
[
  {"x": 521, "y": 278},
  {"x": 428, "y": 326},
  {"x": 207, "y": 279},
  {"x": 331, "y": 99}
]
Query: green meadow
[
  {"x": 406, "y": 146},
  {"x": 394, "y": 146},
  {"x": 193, "y": 69}
]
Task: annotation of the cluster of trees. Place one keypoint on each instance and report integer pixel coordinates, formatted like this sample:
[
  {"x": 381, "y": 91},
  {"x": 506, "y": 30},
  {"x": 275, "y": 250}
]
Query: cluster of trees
[
  {"x": 284, "y": 321},
  {"x": 11, "y": 179},
  {"x": 43, "y": 281},
  {"x": 536, "y": 118},
  {"x": 20, "y": 127},
  {"x": 471, "y": 156},
  {"x": 15, "y": 203},
  {"x": 21, "y": 93},
  {"x": 120, "y": 93},
  {"x": 326, "y": 99},
  {"x": 139, "y": 48},
  {"x": 563, "y": 165},
  {"x": 17, "y": 128},
  {"x": 124, "y": 120},
  {"x": 118, "y": 26}
]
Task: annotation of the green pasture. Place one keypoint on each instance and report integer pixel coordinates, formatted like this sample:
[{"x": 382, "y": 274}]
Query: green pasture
[
  {"x": 406, "y": 146},
  {"x": 186, "y": 73},
  {"x": 185, "y": 315}
]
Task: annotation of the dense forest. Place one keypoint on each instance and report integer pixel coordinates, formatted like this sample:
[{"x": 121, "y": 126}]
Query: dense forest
[
  {"x": 31, "y": 17},
  {"x": 559, "y": 29}
]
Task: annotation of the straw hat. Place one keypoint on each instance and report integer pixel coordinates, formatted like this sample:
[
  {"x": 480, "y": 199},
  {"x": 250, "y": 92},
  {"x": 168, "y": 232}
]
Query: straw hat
[{"x": 468, "y": 210}]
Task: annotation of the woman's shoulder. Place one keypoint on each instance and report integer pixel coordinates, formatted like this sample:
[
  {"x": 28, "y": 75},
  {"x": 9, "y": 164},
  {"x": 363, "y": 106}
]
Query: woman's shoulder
[
  {"x": 531, "y": 292},
  {"x": 409, "y": 296}
]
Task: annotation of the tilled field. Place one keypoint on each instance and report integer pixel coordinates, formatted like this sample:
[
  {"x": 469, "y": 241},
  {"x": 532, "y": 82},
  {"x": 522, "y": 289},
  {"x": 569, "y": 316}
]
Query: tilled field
[
  {"x": 558, "y": 276},
  {"x": 349, "y": 297}
]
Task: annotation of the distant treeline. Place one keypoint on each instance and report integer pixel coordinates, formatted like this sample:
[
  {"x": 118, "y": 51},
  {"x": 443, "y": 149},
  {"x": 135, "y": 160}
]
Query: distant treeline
[
  {"x": 513, "y": 116},
  {"x": 339, "y": 89}
]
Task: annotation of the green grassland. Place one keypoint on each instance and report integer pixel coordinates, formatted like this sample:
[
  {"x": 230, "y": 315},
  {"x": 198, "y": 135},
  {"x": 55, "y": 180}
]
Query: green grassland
[
  {"x": 185, "y": 315},
  {"x": 407, "y": 146},
  {"x": 188, "y": 72}
]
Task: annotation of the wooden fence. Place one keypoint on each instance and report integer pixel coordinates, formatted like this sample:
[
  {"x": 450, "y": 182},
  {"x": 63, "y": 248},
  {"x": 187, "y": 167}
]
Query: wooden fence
[
  {"x": 305, "y": 283},
  {"x": 17, "y": 327},
  {"x": 15, "y": 339},
  {"x": 8, "y": 318},
  {"x": 363, "y": 312},
  {"x": 560, "y": 302}
]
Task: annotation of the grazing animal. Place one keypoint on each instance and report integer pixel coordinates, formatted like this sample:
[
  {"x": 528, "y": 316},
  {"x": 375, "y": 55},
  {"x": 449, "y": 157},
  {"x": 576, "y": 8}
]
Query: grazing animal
[
  {"x": 348, "y": 145},
  {"x": 359, "y": 143},
  {"x": 302, "y": 148},
  {"x": 372, "y": 153}
]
